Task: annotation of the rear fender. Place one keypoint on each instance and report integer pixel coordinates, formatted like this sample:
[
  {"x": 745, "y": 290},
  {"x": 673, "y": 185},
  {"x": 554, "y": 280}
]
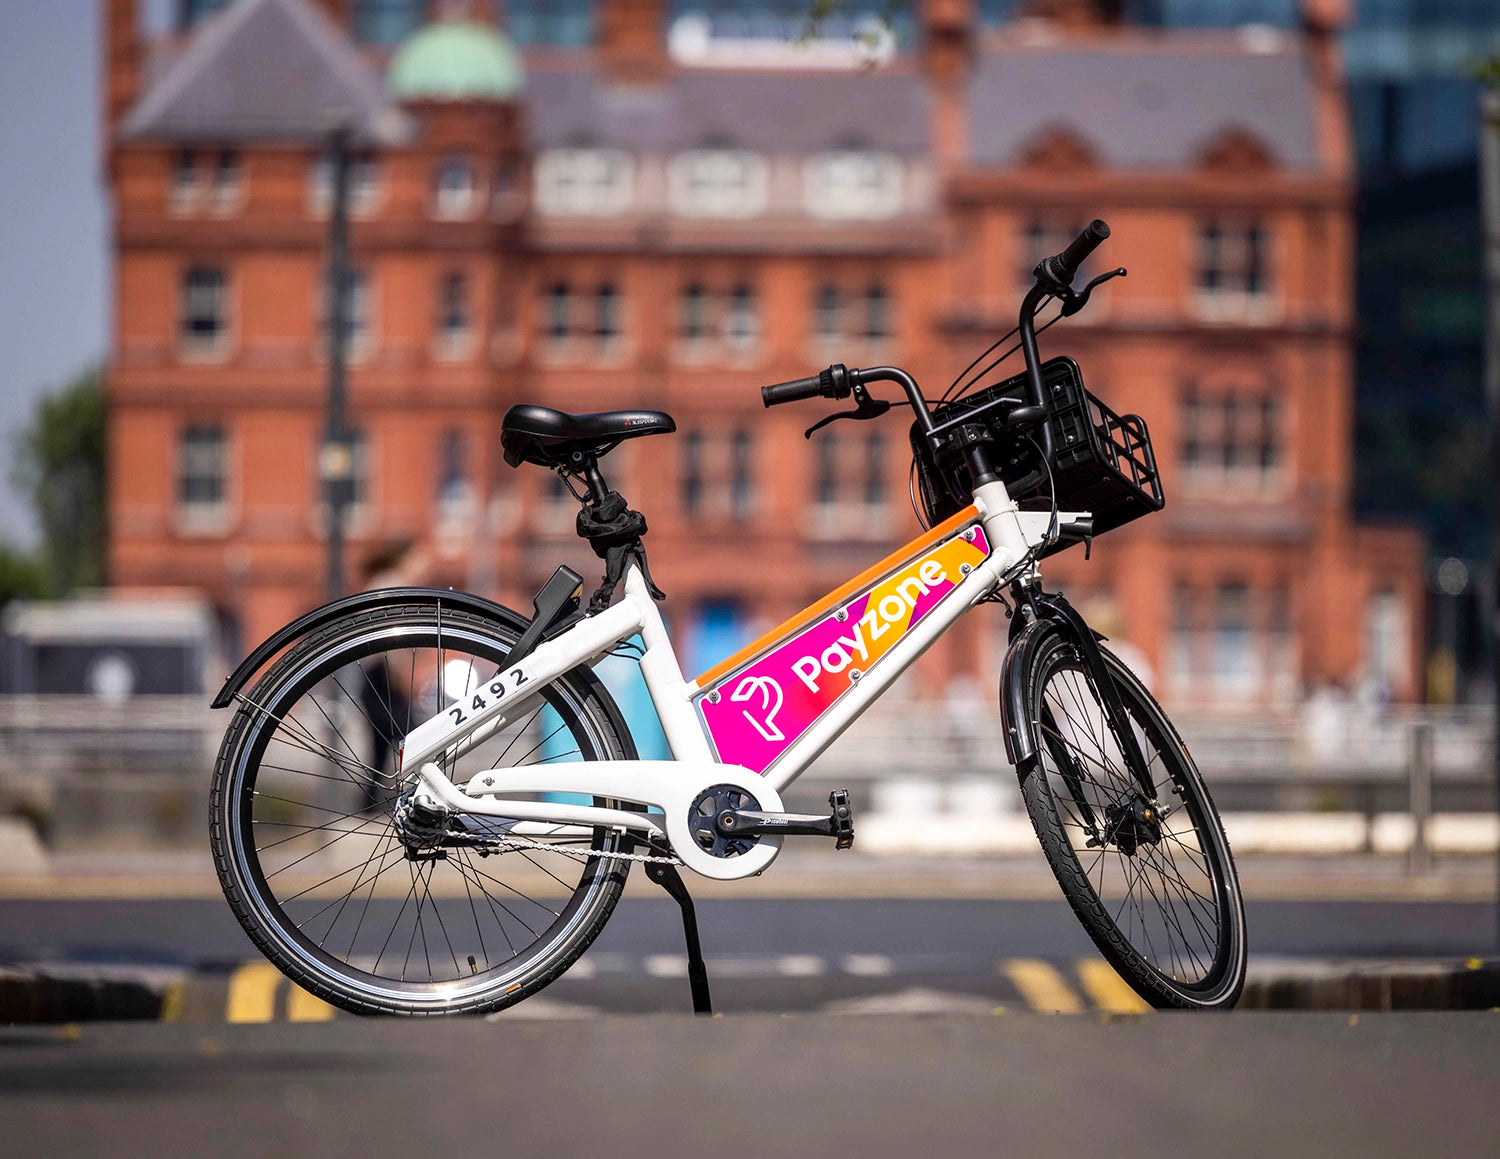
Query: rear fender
[{"x": 351, "y": 605}]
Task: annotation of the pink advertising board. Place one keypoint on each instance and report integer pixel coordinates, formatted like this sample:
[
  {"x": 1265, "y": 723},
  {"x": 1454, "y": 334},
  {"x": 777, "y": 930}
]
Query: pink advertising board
[{"x": 758, "y": 711}]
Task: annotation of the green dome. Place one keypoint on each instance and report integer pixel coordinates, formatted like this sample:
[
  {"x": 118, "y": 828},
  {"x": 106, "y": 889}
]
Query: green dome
[{"x": 456, "y": 60}]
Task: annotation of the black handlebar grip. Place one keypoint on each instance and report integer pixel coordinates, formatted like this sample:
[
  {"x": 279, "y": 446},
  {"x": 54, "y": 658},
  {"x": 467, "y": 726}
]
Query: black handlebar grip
[
  {"x": 1080, "y": 248},
  {"x": 798, "y": 388}
]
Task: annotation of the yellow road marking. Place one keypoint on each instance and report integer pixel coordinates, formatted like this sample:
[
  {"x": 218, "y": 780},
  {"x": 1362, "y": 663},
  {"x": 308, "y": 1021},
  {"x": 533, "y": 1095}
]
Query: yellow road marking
[
  {"x": 252, "y": 993},
  {"x": 304, "y": 1007},
  {"x": 171, "y": 1002},
  {"x": 1107, "y": 990},
  {"x": 1042, "y": 986}
]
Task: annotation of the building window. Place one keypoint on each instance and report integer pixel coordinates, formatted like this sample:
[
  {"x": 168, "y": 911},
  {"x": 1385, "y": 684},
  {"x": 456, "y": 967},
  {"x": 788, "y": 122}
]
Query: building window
[
  {"x": 387, "y": 22},
  {"x": 229, "y": 183},
  {"x": 205, "y": 324},
  {"x": 718, "y": 474},
  {"x": 202, "y": 473},
  {"x": 849, "y": 487},
  {"x": 357, "y": 328},
  {"x": 453, "y": 311},
  {"x": 453, "y": 492},
  {"x": 717, "y": 183},
  {"x": 583, "y": 182},
  {"x": 852, "y": 185},
  {"x": 742, "y": 323},
  {"x": 1234, "y": 667},
  {"x": 1232, "y": 644},
  {"x": 1232, "y": 275},
  {"x": 863, "y": 317},
  {"x": 558, "y": 312},
  {"x": 182, "y": 194},
  {"x": 692, "y": 473},
  {"x": 607, "y": 314},
  {"x": 1231, "y": 441},
  {"x": 568, "y": 23},
  {"x": 692, "y": 314},
  {"x": 454, "y": 192},
  {"x": 877, "y": 314},
  {"x": 826, "y": 323},
  {"x": 364, "y": 185}
]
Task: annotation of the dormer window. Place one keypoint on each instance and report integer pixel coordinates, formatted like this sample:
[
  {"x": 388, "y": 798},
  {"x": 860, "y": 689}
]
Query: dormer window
[
  {"x": 182, "y": 197},
  {"x": 852, "y": 184},
  {"x": 718, "y": 183},
  {"x": 584, "y": 182},
  {"x": 455, "y": 193}
]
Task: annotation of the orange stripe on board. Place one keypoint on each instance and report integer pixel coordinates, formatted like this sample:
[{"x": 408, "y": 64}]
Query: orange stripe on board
[{"x": 863, "y": 579}]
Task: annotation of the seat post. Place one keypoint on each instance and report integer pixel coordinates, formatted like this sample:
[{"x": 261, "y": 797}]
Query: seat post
[{"x": 598, "y": 488}]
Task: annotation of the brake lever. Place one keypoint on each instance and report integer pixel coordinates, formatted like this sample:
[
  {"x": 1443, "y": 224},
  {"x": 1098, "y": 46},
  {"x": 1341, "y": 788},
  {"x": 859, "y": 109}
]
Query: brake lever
[
  {"x": 865, "y": 408},
  {"x": 1078, "y": 301}
]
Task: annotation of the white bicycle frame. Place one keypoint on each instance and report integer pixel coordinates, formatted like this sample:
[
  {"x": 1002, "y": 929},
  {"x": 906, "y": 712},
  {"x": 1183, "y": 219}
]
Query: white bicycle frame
[{"x": 673, "y": 786}]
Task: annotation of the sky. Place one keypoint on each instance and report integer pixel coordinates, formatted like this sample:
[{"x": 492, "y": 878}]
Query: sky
[{"x": 53, "y": 255}]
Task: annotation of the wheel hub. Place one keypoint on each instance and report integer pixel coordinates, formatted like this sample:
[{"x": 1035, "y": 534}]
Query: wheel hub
[
  {"x": 1131, "y": 825},
  {"x": 421, "y": 822}
]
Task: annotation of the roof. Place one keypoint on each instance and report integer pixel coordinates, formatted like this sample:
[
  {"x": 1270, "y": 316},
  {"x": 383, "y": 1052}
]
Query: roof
[
  {"x": 266, "y": 70},
  {"x": 1145, "y": 107},
  {"x": 766, "y": 112},
  {"x": 456, "y": 60}
]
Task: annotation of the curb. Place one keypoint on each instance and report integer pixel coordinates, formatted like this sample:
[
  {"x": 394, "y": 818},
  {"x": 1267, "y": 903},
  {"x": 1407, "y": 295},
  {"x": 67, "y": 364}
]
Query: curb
[
  {"x": 1399, "y": 984},
  {"x": 67, "y": 992}
]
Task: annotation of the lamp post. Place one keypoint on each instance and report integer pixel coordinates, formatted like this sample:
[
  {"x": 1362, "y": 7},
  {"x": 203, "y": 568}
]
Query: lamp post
[{"x": 336, "y": 458}]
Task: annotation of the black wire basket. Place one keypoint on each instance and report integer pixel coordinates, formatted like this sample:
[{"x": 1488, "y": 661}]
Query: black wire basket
[{"x": 1102, "y": 462}]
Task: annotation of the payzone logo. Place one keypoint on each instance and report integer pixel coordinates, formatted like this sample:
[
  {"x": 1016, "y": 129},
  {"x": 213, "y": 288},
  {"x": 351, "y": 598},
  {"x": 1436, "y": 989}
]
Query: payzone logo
[{"x": 765, "y": 706}]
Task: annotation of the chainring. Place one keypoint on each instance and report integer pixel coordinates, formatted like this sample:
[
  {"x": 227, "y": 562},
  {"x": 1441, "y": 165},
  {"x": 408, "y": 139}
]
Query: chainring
[{"x": 703, "y": 820}]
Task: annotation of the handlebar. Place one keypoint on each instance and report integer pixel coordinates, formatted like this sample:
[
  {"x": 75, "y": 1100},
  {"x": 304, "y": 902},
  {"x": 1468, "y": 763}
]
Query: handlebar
[
  {"x": 1061, "y": 269},
  {"x": 832, "y": 382}
]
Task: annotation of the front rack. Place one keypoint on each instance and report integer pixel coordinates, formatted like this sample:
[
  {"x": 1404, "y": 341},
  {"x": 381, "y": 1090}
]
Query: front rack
[{"x": 1102, "y": 461}]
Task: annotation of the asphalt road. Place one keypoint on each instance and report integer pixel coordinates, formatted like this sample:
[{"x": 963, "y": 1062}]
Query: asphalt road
[
  {"x": 764, "y": 955},
  {"x": 917, "y": 935},
  {"x": 1228, "y": 1085}
]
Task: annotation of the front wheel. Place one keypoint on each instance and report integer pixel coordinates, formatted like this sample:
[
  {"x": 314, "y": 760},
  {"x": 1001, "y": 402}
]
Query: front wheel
[{"x": 1148, "y": 873}]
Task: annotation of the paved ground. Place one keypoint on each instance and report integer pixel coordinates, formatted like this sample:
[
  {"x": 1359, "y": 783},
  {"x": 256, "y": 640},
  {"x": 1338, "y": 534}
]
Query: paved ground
[
  {"x": 1243, "y": 1084},
  {"x": 767, "y": 955}
]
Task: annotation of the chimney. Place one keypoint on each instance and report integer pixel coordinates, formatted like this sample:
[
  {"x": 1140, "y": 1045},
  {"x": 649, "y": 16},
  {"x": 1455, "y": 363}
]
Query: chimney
[
  {"x": 122, "y": 60},
  {"x": 948, "y": 37},
  {"x": 1322, "y": 21},
  {"x": 633, "y": 39}
]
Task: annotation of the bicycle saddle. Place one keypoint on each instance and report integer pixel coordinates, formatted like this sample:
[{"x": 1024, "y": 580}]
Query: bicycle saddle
[{"x": 547, "y": 437}]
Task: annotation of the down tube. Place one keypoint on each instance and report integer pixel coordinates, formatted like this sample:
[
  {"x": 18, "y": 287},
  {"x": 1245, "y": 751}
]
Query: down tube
[{"x": 811, "y": 744}]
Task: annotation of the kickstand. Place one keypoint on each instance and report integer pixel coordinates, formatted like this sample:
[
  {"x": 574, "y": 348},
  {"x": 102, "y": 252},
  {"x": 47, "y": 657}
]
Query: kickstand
[{"x": 670, "y": 880}]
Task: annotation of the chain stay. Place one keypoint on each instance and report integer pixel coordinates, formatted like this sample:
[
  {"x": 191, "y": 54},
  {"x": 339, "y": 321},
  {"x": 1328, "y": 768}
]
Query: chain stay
[{"x": 516, "y": 844}]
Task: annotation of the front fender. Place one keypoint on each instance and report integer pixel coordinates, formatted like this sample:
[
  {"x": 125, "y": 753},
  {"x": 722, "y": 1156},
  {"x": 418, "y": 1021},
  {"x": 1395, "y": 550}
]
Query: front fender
[
  {"x": 1018, "y": 660},
  {"x": 359, "y": 602}
]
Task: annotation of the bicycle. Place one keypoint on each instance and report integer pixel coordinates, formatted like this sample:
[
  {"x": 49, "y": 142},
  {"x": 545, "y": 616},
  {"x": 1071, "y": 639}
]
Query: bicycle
[{"x": 503, "y": 803}]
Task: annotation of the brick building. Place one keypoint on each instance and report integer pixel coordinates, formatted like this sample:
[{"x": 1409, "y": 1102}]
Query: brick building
[{"x": 637, "y": 203}]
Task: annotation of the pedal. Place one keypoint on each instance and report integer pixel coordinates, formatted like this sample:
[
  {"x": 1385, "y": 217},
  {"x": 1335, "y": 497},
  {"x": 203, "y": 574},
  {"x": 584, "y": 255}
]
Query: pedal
[
  {"x": 843, "y": 818},
  {"x": 839, "y": 824}
]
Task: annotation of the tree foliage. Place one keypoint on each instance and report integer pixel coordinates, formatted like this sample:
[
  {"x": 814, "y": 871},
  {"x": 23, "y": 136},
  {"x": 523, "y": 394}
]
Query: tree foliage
[{"x": 60, "y": 468}]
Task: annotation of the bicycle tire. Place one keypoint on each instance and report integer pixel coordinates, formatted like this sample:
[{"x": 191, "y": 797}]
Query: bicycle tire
[
  {"x": 578, "y": 694},
  {"x": 1057, "y": 778}
]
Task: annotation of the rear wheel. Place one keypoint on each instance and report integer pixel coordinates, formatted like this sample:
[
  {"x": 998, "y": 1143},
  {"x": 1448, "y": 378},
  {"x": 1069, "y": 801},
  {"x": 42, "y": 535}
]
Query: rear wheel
[
  {"x": 1140, "y": 853},
  {"x": 310, "y": 855}
]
